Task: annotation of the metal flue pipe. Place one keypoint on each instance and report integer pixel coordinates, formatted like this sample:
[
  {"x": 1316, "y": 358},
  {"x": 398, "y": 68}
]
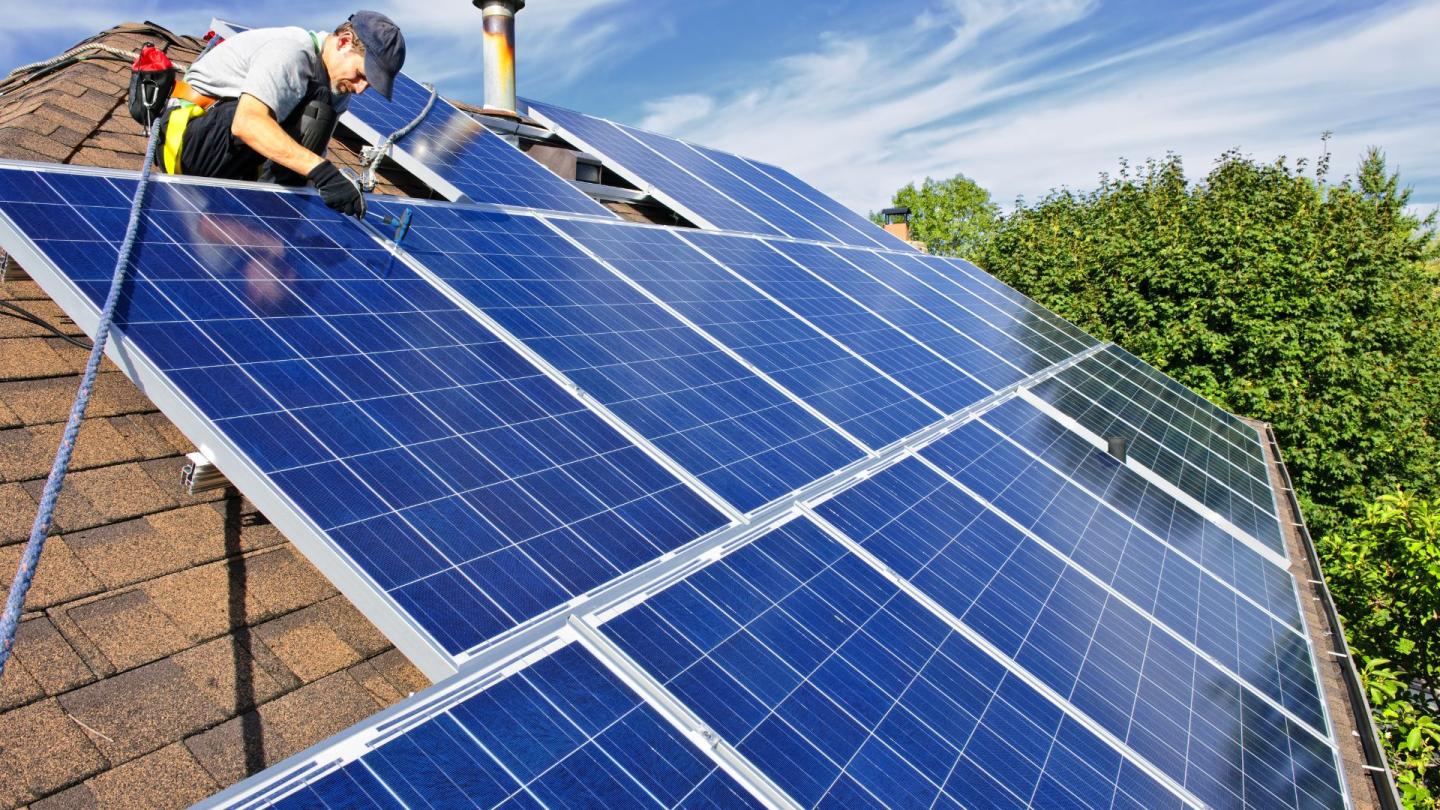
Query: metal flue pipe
[{"x": 499, "y": 52}]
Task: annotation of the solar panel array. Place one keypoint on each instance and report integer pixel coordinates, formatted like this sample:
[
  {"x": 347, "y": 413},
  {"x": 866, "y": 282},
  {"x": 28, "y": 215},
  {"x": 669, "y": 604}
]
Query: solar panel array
[
  {"x": 715, "y": 189},
  {"x": 695, "y": 518}
]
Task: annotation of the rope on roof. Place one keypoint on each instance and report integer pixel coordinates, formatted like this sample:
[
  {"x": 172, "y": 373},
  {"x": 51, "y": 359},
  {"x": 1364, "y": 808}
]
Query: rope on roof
[{"x": 30, "y": 557}]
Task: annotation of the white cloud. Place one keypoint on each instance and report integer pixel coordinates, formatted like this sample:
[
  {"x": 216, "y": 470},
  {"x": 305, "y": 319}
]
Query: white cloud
[
  {"x": 669, "y": 114},
  {"x": 862, "y": 116}
]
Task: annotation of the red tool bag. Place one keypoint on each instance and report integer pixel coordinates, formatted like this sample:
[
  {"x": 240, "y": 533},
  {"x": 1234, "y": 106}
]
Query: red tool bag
[{"x": 152, "y": 80}]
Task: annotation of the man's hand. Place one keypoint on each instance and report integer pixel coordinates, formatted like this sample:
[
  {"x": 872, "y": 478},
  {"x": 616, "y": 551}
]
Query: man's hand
[{"x": 336, "y": 189}]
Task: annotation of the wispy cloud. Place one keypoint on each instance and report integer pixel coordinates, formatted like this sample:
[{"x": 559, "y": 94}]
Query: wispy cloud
[{"x": 863, "y": 114}]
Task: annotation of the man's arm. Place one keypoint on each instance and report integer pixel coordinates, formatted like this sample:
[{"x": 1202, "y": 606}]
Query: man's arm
[{"x": 255, "y": 124}]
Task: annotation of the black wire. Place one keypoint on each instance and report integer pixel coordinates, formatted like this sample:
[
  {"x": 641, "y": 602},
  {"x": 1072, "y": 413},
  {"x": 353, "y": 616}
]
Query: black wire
[{"x": 20, "y": 313}]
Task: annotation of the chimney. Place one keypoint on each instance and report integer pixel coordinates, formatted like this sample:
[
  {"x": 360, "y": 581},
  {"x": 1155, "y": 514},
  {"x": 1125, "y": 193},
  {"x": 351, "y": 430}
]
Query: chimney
[
  {"x": 897, "y": 220},
  {"x": 499, "y": 54}
]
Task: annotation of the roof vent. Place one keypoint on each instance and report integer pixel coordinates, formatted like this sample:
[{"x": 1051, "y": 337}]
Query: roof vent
[{"x": 499, "y": 53}]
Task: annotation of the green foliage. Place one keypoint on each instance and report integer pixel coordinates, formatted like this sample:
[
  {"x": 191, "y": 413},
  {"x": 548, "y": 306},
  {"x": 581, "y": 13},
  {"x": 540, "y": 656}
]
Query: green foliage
[
  {"x": 952, "y": 217},
  {"x": 1384, "y": 572},
  {"x": 1271, "y": 292}
]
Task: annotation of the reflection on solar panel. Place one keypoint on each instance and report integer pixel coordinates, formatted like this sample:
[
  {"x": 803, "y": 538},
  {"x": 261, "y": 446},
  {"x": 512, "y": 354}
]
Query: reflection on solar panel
[
  {"x": 454, "y": 154},
  {"x": 394, "y": 431},
  {"x": 712, "y": 188},
  {"x": 722, "y": 422},
  {"x": 560, "y": 732},
  {"x": 1195, "y": 450},
  {"x": 711, "y": 518},
  {"x": 640, "y": 165},
  {"x": 851, "y": 693},
  {"x": 1222, "y": 738},
  {"x": 838, "y": 383}
]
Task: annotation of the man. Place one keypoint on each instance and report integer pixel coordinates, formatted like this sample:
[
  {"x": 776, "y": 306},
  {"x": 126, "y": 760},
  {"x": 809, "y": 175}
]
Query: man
[{"x": 243, "y": 102}]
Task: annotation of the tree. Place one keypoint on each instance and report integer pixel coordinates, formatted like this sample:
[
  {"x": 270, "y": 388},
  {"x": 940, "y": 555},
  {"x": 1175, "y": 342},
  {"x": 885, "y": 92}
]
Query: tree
[
  {"x": 952, "y": 217},
  {"x": 1271, "y": 292}
]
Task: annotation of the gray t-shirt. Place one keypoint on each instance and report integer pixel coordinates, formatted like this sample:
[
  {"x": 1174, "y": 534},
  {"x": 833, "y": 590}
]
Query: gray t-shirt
[{"x": 275, "y": 65}]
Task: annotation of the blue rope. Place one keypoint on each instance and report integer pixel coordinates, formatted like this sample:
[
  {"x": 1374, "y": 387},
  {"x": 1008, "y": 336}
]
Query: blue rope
[{"x": 25, "y": 574}]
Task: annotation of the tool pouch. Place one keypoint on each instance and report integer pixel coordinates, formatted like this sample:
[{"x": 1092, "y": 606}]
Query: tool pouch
[{"x": 152, "y": 80}]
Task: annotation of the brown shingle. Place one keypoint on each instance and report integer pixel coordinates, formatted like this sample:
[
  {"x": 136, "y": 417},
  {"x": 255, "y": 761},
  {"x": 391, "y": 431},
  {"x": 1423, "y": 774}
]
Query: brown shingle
[
  {"x": 60, "y": 576},
  {"x": 125, "y": 553},
  {"x": 141, "y": 710},
  {"x": 27, "y": 453},
  {"x": 106, "y": 495},
  {"x": 17, "y": 512},
  {"x": 240, "y": 747},
  {"x": 49, "y": 658},
  {"x": 31, "y": 359},
  {"x": 376, "y": 684},
  {"x": 15, "y": 137},
  {"x": 307, "y": 645},
  {"x": 319, "y": 710},
  {"x": 229, "y": 675},
  {"x": 397, "y": 669},
  {"x": 128, "y": 629},
  {"x": 352, "y": 626},
  {"x": 165, "y": 472},
  {"x": 41, "y": 751},
  {"x": 49, "y": 400},
  {"x": 285, "y": 581},
  {"x": 17, "y": 687},
  {"x": 210, "y": 600},
  {"x": 168, "y": 778}
]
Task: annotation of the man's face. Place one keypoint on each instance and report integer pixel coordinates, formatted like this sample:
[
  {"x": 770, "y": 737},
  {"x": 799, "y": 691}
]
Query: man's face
[{"x": 347, "y": 68}]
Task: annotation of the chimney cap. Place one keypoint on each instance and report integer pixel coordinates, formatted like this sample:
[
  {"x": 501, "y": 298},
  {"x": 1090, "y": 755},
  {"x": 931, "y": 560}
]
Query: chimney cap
[
  {"x": 519, "y": 4},
  {"x": 897, "y": 214}
]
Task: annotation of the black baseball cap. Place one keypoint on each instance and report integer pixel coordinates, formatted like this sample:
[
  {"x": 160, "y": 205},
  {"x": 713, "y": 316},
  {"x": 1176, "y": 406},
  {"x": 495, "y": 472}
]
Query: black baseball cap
[{"x": 384, "y": 49}]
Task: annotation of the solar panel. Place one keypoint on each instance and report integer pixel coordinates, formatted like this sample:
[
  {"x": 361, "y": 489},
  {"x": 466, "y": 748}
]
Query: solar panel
[
  {"x": 977, "y": 292},
  {"x": 523, "y": 445},
  {"x": 736, "y": 432},
  {"x": 1150, "y": 506},
  {"x": 634, "y": 161},
  {"x": 966, "y": 343},
  {"x": 879, "y": 235},
  {"x": 848, "y": 692},
  {"x": 561, "y": 731},
  {"x": 453, "y": 153},
  {"x": 1106, "y": 397},
  {"x": 453, "y": 488},
  {"x": 819, "y": 369},
  {"x": 1207, "y": 612},
  {"x": 862, "y": 233},
  {"x": 1221, "y": 738}
]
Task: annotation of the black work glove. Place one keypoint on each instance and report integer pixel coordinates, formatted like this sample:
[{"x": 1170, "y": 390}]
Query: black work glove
[{"x": 336, "y": 189}]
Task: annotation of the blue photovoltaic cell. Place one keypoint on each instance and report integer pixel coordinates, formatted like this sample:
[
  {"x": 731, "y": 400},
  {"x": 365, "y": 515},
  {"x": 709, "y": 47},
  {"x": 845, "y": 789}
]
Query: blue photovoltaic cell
[
  {"x": 1018, "y": 350},
  {"x": 479, "y": 163},
  {"x": 879, "y": 235},
  {"x": 472, "y": 489},
  {"x": 1190, "y": 719},
  {"x": 1191, "y": 455},
  {"x": 847, "y": 693},
  {"x": 1242, "y": 637},
  {"x": 564, "y": 732},
  {"x": 1233, "y": 561},
  {"x": 972, "y": 289},
  {"x": 837, "y": 230},
  {"x": 741, "y": 193},
  {"x": 603, "y": 138},
  {"x": 832, "y": 380},
  {"x": 922, "y": 370},
  {"x": 719, "y": 420},
  {"x": 966, "y": 344}
]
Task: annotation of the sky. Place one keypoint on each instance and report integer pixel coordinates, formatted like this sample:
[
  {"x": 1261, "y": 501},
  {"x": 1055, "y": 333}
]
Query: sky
[{"x": 860, "y": 98}]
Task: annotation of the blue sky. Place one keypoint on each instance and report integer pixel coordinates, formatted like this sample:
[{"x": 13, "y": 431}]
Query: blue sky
[{"x": 863, "y": 97}]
